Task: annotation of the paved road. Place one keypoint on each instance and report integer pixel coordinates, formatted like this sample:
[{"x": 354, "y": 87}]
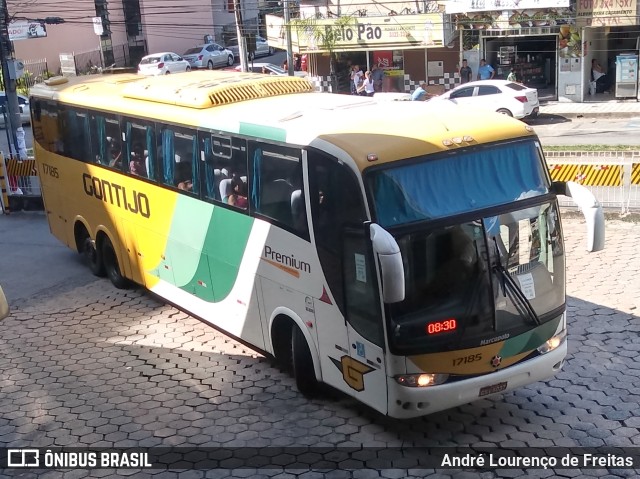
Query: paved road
[
  {"x": 89, "y": 365},
  {"x": 600, "y": 131}
]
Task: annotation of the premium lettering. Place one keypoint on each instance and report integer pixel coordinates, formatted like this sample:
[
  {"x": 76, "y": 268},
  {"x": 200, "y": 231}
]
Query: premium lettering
[
  {"x": 132, "y": 201},
  {"x": 286, "y": 260}
]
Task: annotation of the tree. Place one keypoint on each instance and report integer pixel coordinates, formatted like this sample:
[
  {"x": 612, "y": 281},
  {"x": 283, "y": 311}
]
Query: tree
[{"x": 323, "y": 36}]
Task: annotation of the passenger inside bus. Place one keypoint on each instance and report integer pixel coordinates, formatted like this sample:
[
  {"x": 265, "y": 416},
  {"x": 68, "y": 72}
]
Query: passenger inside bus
[
  {"x": 137, "y": 161},
  {"x": 116, "y": 153},
  {"x": 238, "y": 196}
]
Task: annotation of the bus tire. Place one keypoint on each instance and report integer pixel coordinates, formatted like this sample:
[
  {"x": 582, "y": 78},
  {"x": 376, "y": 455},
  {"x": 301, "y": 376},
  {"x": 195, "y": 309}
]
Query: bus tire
[
  {"x": 93, "y": 257},
  {"x": 111, "y": 265},
  {"x": 303, "y": 370}
]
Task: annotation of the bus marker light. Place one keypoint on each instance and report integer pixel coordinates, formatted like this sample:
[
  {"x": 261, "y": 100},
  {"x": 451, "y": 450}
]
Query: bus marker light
[
  {"x": 457, "y": 140},
  {"x": 447, "y": 142},
  {"x": 309, "y": 324},
  {"x": 467, "y": 138},
  {"x": 372, "y": 157},
  {"x": 528, "y": 128}
]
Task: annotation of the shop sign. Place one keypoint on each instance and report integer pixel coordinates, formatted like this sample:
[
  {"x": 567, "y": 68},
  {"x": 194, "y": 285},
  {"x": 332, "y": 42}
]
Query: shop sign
[
  {"x": 515, "y": 19},
  {"x": 606, "y": 13},
  {"x": 358, "y": 33},
  {"x": 25, "y": 30},
  {"x": 468, "y": 6}
]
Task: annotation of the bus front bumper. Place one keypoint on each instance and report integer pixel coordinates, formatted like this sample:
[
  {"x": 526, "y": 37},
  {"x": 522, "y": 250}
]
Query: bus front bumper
[{"x": 408, "y": 402}]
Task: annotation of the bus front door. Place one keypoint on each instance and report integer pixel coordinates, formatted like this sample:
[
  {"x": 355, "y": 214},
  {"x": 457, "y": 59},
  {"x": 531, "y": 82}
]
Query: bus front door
[{"x": 364, "y": 368}]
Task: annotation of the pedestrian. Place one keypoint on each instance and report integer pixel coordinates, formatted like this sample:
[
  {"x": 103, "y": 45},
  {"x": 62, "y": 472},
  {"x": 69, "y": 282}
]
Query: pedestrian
[
  {"x": 420, "y": 93},
  {"x": 512, "y": 75},
  {"x": 485, "y": 71},
  {"x": 377, "y": 74},
  {"x": 356, "y": 79},
  {"x": 369, "y": 86},
  {"x": 465, "y": 72}
]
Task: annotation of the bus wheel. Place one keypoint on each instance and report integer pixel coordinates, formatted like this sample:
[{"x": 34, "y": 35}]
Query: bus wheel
[
  {"x": 111, "y": 265},
  {"x": 303, "y": 371},
  {"x": 93, "y": 257}
]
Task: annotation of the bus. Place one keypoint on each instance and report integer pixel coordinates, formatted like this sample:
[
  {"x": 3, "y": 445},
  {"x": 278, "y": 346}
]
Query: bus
[{"x": 407, "y": 255}]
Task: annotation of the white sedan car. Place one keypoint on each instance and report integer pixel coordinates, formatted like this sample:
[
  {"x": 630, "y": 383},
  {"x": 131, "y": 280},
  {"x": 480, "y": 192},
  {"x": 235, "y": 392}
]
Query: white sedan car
[
  {"x": 208, "y": 56},
  {"x": 502, "y": 96},
  {"x": 268, "y": 69},
  {"x": 163, "y": 64},
  {"x": 262, "y": 48}
]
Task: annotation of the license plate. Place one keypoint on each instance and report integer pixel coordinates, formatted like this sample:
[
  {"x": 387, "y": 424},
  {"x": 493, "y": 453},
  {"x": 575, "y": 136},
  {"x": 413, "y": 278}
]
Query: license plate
[{"x": 494, "y": 388}]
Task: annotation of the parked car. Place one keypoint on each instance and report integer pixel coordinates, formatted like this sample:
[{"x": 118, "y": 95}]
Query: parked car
[
  {"x": 208, "y": 56},
  {"x": 502, "y": 96},
  {"x": 262, "y": 48},
  {"x": 23, "y": 102},
  {"x": 270, "y": 69},
  {"x": 163, "y": 64}
]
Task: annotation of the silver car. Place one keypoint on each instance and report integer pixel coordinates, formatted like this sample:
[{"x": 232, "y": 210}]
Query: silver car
[
  {"x": 262, "y": 48},
  {"x": 23, "y": 102},
  {"x": 208, "y": 56}
]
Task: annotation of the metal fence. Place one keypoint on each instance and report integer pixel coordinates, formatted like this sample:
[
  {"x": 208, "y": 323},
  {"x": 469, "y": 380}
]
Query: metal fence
[
  {"x": 612, "y": 176},
  {"x": 35, "y": 71},
  {"x": 93, "y": 61}
]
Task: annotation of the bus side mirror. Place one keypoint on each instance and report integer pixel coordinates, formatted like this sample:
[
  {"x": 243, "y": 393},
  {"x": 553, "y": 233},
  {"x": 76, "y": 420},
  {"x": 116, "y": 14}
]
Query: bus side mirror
[
  {"x": 388, "y": 252},
  {"x": 4, "y": 305},
  {"x": 590, "y": 207}
]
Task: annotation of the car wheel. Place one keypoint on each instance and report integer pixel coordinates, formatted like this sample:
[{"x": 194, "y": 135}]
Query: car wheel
[
  {"x": 167, "y": 72},
  {"x": 230, "y": 60},
  {"x": 504, "y": 111},
  {"x": 209, "y": 65}
]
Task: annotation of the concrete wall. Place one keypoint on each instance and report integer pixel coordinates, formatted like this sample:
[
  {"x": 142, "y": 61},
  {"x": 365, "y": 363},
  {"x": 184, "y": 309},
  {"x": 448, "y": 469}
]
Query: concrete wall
[{"x": 76, "y": 35}]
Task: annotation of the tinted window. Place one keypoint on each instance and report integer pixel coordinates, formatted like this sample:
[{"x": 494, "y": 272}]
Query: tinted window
[
  {"x": 276, "y": 185},
  {"x": 177, "y": 155},
  {"x": 140, "y": 151},
  {"x": 106, "y": 146},
  {"x": 488, "y": 90},
  {"x": 336, "y": 203},
  {"x": 76, "y": 134},
  {"x": 225, "y": 159},
  {"x": 210, "y": 48},
  {"x": 463, "y": 92}
]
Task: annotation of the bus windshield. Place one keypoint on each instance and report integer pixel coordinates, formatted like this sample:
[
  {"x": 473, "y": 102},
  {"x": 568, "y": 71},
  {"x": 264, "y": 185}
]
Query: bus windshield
[
  {"x": 464, "y": 181},
  {"x": 470, "y": 283}
]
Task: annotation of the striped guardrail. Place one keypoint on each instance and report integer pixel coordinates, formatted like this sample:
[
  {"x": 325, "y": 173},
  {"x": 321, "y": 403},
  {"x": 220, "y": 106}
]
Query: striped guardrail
[{"x": 612, "y": 176}]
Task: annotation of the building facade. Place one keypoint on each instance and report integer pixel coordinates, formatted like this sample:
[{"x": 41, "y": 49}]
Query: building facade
[{"x": 130, "y": 29}]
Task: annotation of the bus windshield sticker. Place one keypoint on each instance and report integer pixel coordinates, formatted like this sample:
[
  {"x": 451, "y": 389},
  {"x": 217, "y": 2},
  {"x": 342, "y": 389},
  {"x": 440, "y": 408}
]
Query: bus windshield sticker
[
  {"x": 361, "y": 271},
  {"x": 527, "y": 285}
]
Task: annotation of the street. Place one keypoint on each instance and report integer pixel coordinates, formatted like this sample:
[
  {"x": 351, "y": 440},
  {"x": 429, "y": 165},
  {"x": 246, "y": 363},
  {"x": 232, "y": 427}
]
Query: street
[
  {"x": 85, "y": 364},
  {"x": 556, "y": 130}
]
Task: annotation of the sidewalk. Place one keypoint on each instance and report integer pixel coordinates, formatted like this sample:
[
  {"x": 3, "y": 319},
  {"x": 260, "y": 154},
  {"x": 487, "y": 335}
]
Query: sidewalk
[{"x": 606, "y": 106}]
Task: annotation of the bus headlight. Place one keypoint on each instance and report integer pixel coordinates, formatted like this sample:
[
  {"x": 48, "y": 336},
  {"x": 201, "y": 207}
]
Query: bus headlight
[
  {"x": 421, "y": 380},
  {"x": 553, "y": 342}
]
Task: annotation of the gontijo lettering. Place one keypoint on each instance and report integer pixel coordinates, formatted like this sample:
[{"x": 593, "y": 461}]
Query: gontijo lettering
[{"x": 132, "y": 201}]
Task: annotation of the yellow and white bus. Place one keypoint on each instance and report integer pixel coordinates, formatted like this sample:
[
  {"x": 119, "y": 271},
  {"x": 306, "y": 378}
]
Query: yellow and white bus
[{"x": 410, "y": 257}]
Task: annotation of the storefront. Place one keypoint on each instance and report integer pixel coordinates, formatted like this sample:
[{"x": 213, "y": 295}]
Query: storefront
[
  {"x": 409, "y": 49},
  {"x": 520, "y": 38}
]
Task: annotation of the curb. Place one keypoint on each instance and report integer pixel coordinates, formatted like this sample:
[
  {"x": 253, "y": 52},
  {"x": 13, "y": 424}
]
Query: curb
[{"x": 592, "y": 114}]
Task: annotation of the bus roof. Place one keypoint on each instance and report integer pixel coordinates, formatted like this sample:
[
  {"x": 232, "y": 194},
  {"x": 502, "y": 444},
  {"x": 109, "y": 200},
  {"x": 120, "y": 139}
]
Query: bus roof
[{"x": 285, "y": 109}]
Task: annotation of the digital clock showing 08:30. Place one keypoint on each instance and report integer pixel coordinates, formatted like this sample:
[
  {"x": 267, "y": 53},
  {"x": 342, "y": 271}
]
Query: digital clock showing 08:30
[{"x": 444, "y": 326}]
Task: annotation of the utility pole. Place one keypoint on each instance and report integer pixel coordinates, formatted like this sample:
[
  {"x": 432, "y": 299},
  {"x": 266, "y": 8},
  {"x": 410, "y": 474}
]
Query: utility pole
[
  {"x": 287, "y": 25},
  {"x": 242, "y": 42},
  {"x": 9, "y": 75}
]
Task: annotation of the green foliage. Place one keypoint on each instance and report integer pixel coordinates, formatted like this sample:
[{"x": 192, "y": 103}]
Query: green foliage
[{"x": 24, "y": 83}]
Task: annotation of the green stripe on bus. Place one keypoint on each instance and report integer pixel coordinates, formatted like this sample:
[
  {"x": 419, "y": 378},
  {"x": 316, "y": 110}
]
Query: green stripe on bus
[
  {"x": 222, "y": 248},
  {"x": 260, "y": 131},
  {"x": 530, "y": 340}
]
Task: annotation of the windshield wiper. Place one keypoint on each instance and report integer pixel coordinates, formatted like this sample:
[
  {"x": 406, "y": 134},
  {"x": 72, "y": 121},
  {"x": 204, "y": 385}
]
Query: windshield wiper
[{"x": 508, "y": 283}]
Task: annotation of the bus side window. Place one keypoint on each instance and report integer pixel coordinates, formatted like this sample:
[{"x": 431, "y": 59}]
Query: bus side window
[
  {"x": 140, "y": 149},
  {"x": 179, "y": 159},
  {"x": 76, "y": 134},
  {"x": 277, "y": 187},
  {"x": 225, "y": 158}
]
